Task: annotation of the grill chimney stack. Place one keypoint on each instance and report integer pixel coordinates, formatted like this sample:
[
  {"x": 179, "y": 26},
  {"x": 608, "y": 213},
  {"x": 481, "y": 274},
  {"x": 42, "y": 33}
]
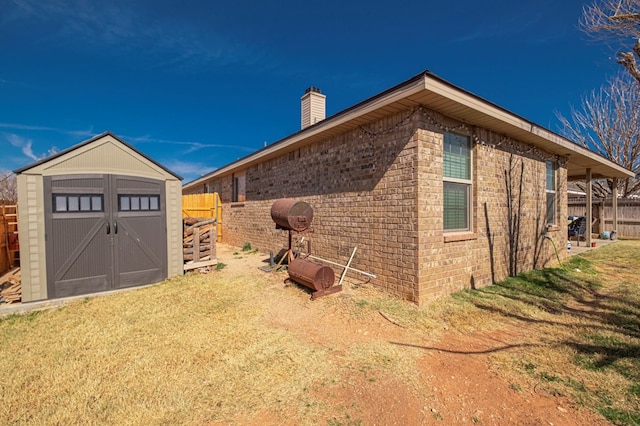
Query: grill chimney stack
[{"x": 313, "y": 107}]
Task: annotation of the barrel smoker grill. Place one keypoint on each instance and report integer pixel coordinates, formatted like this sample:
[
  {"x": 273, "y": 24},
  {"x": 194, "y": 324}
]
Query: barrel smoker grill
[
  {"x": 311, "y": 275},
  {"x": 296, "y": 216},
  {"x": 291, "y": 215}
]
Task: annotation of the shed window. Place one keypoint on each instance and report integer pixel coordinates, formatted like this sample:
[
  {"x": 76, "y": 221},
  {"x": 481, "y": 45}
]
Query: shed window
[
  {"x": 550, "y": 190},
  {"x": 457, "y": 183},
  {"x": 77, "y": 203},
  {"x": 60, "y": 203},
  {"x": 85, "y": 203},
  {"x": 138, "y": 203},
  {"x": 74, "y": 204},
  {"x": 96, "y": 203}
]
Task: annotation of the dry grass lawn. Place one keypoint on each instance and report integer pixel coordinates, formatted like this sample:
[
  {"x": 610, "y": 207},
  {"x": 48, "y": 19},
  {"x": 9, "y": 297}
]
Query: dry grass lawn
[{"x": 238, "y": 347}]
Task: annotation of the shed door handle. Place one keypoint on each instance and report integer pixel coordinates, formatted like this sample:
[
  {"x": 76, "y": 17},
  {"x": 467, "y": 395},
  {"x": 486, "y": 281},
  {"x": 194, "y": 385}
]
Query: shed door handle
[
  {"x": 115, "y": 227},
  {"x": 108, "y": 228}
]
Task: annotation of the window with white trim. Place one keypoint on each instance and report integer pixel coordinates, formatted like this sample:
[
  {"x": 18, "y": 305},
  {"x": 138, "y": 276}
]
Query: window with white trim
[
  {"x": 550, "y": 190},
  {"x": 457, "y": 183}
]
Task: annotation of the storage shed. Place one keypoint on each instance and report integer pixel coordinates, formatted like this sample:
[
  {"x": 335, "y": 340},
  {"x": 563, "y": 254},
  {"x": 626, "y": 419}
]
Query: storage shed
[{"x": 98, "y": 216}]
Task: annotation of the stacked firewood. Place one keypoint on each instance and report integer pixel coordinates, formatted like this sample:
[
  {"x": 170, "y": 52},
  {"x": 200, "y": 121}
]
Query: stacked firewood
[
  {"x": 199, "y": 242},
  {"x": 11, "y": 287}
]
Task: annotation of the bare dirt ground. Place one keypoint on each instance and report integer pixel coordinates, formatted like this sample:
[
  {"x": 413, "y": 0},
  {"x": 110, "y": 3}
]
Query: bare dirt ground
[{"x": 457, "y": 382}]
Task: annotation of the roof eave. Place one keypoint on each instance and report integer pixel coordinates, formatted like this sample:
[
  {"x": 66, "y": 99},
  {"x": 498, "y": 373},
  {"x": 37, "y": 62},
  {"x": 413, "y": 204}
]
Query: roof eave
[
  {"x": 438, "y": 94},
  {"x": 338, "y": 123},
  {"x": 477, "y": 111}
]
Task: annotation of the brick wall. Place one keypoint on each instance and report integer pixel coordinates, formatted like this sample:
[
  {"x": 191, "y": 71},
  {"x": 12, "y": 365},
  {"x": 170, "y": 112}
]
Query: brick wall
[
  {"x": 379, "y": 187},
  {"x": 509, "y": 181}
]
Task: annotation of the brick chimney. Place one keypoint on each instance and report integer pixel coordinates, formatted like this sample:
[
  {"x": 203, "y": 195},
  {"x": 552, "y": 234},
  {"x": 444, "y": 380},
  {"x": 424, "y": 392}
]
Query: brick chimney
[{"x": 313, "y": 107}]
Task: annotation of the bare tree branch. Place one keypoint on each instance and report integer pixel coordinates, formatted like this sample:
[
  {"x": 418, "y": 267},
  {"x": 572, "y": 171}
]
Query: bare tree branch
[
  {"x": 612, "y": 19},
  {"x": 628, "y": 60},
  {"x": 8, "y": 188},
  {"x": 608, "y": 123},
  {"x": 619, "y": 21}
]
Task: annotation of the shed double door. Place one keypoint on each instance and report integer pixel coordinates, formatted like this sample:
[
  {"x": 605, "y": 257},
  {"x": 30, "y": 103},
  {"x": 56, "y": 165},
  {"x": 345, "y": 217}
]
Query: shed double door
[{"x": 103, "y": 232}]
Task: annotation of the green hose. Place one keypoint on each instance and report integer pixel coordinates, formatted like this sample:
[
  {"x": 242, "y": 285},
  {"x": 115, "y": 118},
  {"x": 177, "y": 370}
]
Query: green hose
[{"x": 555, "y": 248}]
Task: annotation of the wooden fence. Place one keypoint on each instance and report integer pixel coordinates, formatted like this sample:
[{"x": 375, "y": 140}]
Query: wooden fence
[
  {"x": 206, "y": 206},
  {"x": 628, "y": 216},
  {"x": 9, "y": 246},
  {"x": 4, "y": 247}
]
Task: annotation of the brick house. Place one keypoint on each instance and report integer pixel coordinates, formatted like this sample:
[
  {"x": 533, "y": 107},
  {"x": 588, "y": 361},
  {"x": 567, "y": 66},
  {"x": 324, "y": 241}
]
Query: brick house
[{"x": 438, "y": 188}]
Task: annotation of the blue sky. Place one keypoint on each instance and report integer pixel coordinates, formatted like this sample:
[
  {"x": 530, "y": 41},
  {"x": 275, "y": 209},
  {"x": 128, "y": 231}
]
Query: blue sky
[{"x": 198, "y": 84}]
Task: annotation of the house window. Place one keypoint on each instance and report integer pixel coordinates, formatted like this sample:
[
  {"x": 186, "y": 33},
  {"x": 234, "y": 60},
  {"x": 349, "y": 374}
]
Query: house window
[
  {"x": 239, "y": 187},
  {"x": 550, "y": 190},
  {"x": 457, "y": 183},
  {"x": 77, "y": 203}
]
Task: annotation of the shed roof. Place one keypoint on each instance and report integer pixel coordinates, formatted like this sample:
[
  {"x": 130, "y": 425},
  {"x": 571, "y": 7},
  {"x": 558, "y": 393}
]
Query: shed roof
[
  {"x": 66, "y": 154},
  {"x": 439, "y": 95}
]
